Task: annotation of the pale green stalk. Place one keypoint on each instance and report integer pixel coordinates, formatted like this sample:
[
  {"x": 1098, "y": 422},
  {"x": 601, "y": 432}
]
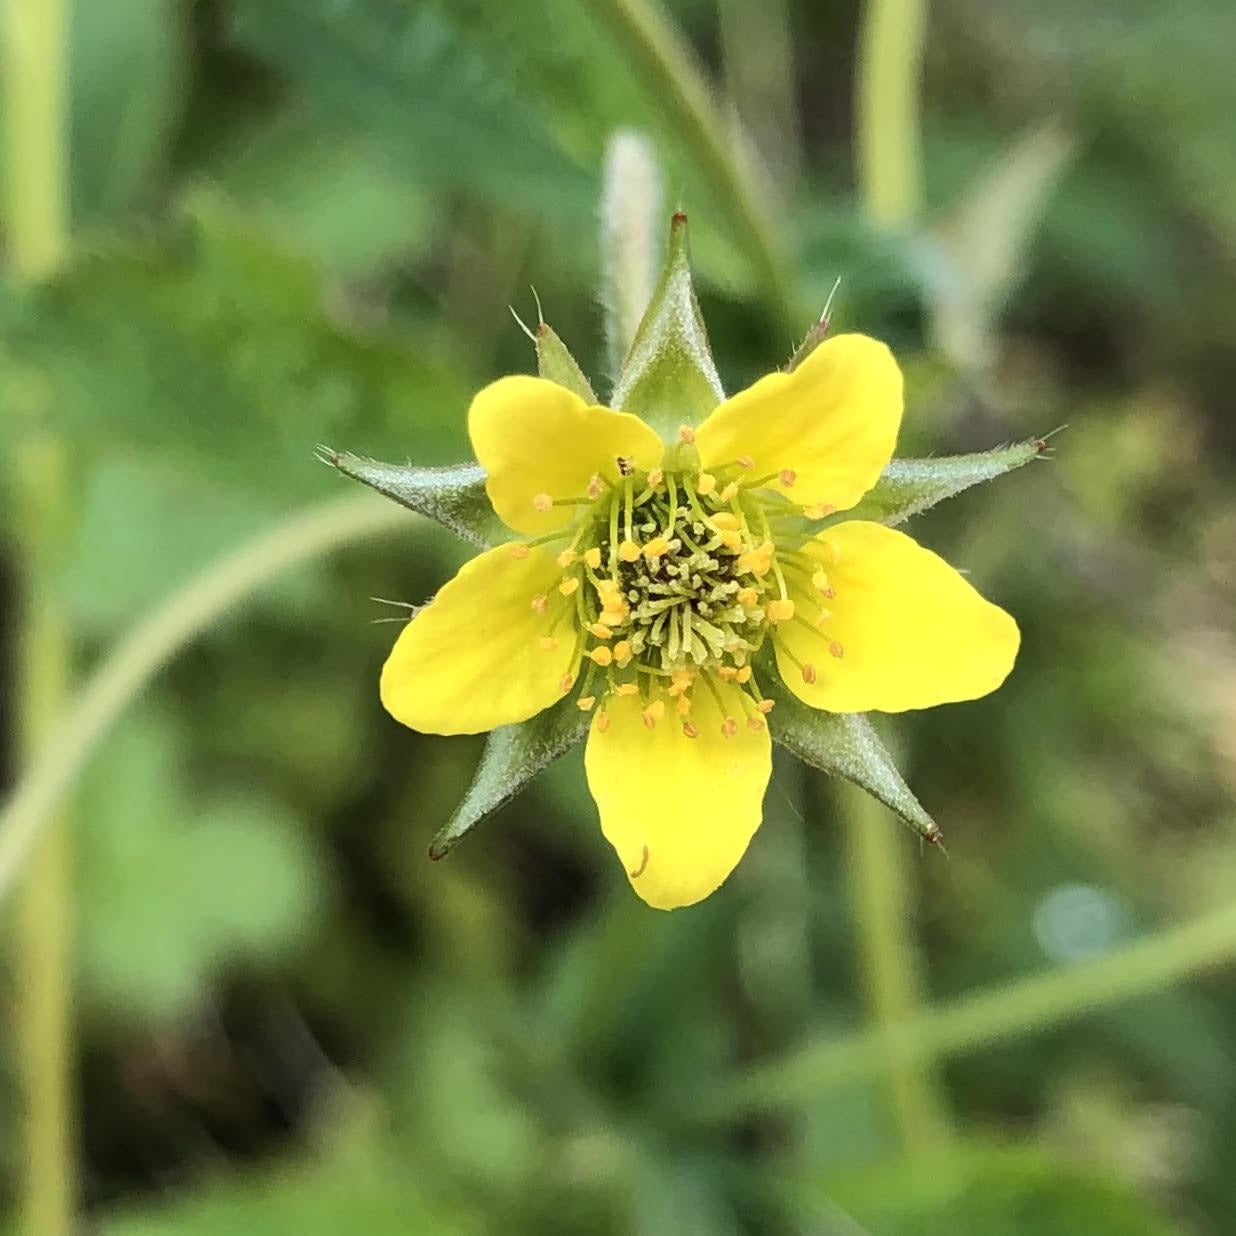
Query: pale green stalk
[
  {"x": 126, "y": 670},
  {"x": 888, "y": 105},
  {"x": 658, "y": 51},
  {"x": 882, "y": 900},
  {"x": 632, "y": 238},
  {"x": 35, "y": 48},
  {"x": 1008, "y": 1011}
]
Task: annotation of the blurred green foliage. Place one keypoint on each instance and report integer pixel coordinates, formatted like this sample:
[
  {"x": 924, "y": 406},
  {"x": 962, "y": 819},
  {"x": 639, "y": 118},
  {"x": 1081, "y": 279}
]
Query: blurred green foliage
[{"x": 304, "y": 222}]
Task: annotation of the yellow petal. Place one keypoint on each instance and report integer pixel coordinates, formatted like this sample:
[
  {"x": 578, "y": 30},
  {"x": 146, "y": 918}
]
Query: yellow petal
[
  {"x": 904, "y": 630},
  {"x": 471, "y": 659},
  {"x": 832, "y": 422},
  {"x": 679, "y": 811},
  {"x": 535, "y": 437}
]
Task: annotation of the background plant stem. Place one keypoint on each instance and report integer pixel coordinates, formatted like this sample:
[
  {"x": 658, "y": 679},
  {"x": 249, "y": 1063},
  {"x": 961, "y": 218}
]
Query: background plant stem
[
  {"x": 36, "y": 217},
  {"x": 882, "y": 897},
  {"x": 888, "y": 127}
]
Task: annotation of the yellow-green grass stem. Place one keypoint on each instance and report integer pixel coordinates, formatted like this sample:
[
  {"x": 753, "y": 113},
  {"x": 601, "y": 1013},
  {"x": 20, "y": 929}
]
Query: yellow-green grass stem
[
  {"x": 36, "y": 220},
  {"x": 882, "y": 898},
  {"x": 888, "y": 107}
]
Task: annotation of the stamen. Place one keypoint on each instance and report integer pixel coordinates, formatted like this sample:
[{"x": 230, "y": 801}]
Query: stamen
[
  {"x": 781, "y": 610},
  {"x": 656, "y": 548},
  {"x": 745, "y": 461},
  {"x": 593, "y": 557},
  {"x": 765, "y": 706},
  {"x": 836, "y": 649},
  {"x": 687, "y": 434},
  {"x": 622, "y": 653},
  {"x": 626, "y": 688},
  {"x": 743, "y": 675},
  {"x": 683, "y": 704},
  {"x": 690, "y": 729},
  {"x": 705, "y": 483},
  {"x": 754, "y": 723},
  {"x": 564, "y": 684},
  {"x": 602, "y": 655},
  {"x": 548, "y": 642},
  {"x": 819, "y": 510},
  {"x": 628, "y": 551},
  {"x": 600, "y": 630},
  {"x": 596, "y": 486},
  {"x": 568, "y": 587},
  {"x": 518, "y": 550},
  {"x": 819, "y": 581},
  {"x": 655, "y": 477},
  {"x": 730, "y": 492},
  {"x": 540, "y": 603},
  {"x": 748, "y": 598},
  {"x": 653, "y": 713},
  {"x": 787, "y": 477},
  {"x": 809, "y": 674},
  {"x": 725, "y": 519},
  {"x": 542, "y": 502},
  {"x": 566, "y": 558},
  {"x": 585, "y": 702},
  {"x": 602, "y": 722},
  {"x": 639, "y": 871},
  {"x": 729, "y": 727}
]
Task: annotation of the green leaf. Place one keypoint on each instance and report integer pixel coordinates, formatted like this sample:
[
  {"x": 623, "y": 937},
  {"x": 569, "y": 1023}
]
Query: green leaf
[
  {"x": 454, "y": 497},
  {"x": 910, "y": 486},
  {"x": 513, "y": 755},
  {"x": 669, "y": 377},
  {"x": 845, "y": 745}
]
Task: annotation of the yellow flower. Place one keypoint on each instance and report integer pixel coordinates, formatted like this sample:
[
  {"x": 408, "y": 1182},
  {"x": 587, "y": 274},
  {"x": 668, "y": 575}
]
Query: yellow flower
[{"x": 691, "y": 558}]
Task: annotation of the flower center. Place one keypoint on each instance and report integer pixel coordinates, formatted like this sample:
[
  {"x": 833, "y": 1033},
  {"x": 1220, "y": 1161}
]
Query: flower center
[{"x": 674, "y": 579}]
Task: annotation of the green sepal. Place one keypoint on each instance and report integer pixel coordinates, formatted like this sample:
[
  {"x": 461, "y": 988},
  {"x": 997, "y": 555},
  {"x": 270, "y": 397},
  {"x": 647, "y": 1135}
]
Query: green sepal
[
  {"x": 669, "y": 377},
  {"x": 845, "y": 744},
  {"x": 513, "y": 755},
  {"x": 455, "y": 497},
  {"x": 555, "y": 363},
  {"x": 910, "y": 486}
]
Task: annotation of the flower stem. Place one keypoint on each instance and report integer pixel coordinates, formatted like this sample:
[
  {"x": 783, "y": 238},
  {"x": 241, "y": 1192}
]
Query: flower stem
[
  {"x": 126, "y": 670},
  {"x": 659, "y": 53},
  {"x": 888, "y": 126},
  {"x": 35, "y": 43},
  {"x": 881, "y": 896}
]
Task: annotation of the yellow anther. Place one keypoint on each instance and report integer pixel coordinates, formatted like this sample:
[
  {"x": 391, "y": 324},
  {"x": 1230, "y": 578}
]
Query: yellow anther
[
  {"x": 539, "y": 603},
  {"x": 595, "y": 486},
  {"x": 787, "y": 476},
  {"x": 836, "y": 649},
  {"x": 518, "y": 550},
  {"x": 600, "y": 630},
  {"x": 819, "y": 510},
  {"x": 680, "y": 681},
  {"x": 755, "y": 561},
  {"x": 683, "y": 705},
  {"x": 780, "y": 610},
  {"x": 745, "y": 461},
  {"x": 565, "y": 683},
  {"x": 585, "y": 703},
  {"x": 542, "y": 502},
  {"x": 548, "y": 642},
  {"x": 754, "y": 723},
  {"x": 626, "y": 688},
  {"x": 819, "y": 581},
  {"x": 622, "y": 653},
  {"x": 728, "y": 672},
  {"x": 764, "y": 706},
  {"x": 602, "y": 654},
  {"x": 686, "y": 433},
  {"x": 748, "y": 598},
  {"x": 569, "y": 587},
  {"x": 602, "y": 722},
  {"x": 725, "y": 519},
  {"x": 705, "y": 483},
  {"x": 690, "y": 730},
  {"x": 729, "y": 727},
  {"x": 593, "y": 557},
  {"x": 566, "y": 558},
  {"x": 731, "y": 538},
  {"x": 730, "y": 492},
  {"x": 823, "y": 616},
  {"x": 743, "y": 675},
  {"x": 655, "y": 477},
  {"x": 809, "y": 674},
  {"x": 628, "y": 551},
  {"x": 615, "y": 617},
  {"x": 653, "y": 713},
  {"x": 656, "y": 548}
]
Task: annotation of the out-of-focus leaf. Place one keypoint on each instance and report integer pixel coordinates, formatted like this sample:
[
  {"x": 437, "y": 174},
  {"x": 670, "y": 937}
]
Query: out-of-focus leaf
[
  {"x": 844, "y": 745},
  {"x": 983, "y": 240},
  {"x": 169, "y": 888},
  {"x": 513, "y": 755},
  {"x": 910, "y": 486},
  {"x": 401, "y": 74},
  {"x": 669, "y": 377},
  {"x": 214, "y": 347},
  {"x": 127, "y": 74},
  {"x": 454, "y": 497}
]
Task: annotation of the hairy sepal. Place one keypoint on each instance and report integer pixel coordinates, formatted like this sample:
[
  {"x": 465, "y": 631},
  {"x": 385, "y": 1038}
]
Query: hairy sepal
[{"x": 513, "y": 755}]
